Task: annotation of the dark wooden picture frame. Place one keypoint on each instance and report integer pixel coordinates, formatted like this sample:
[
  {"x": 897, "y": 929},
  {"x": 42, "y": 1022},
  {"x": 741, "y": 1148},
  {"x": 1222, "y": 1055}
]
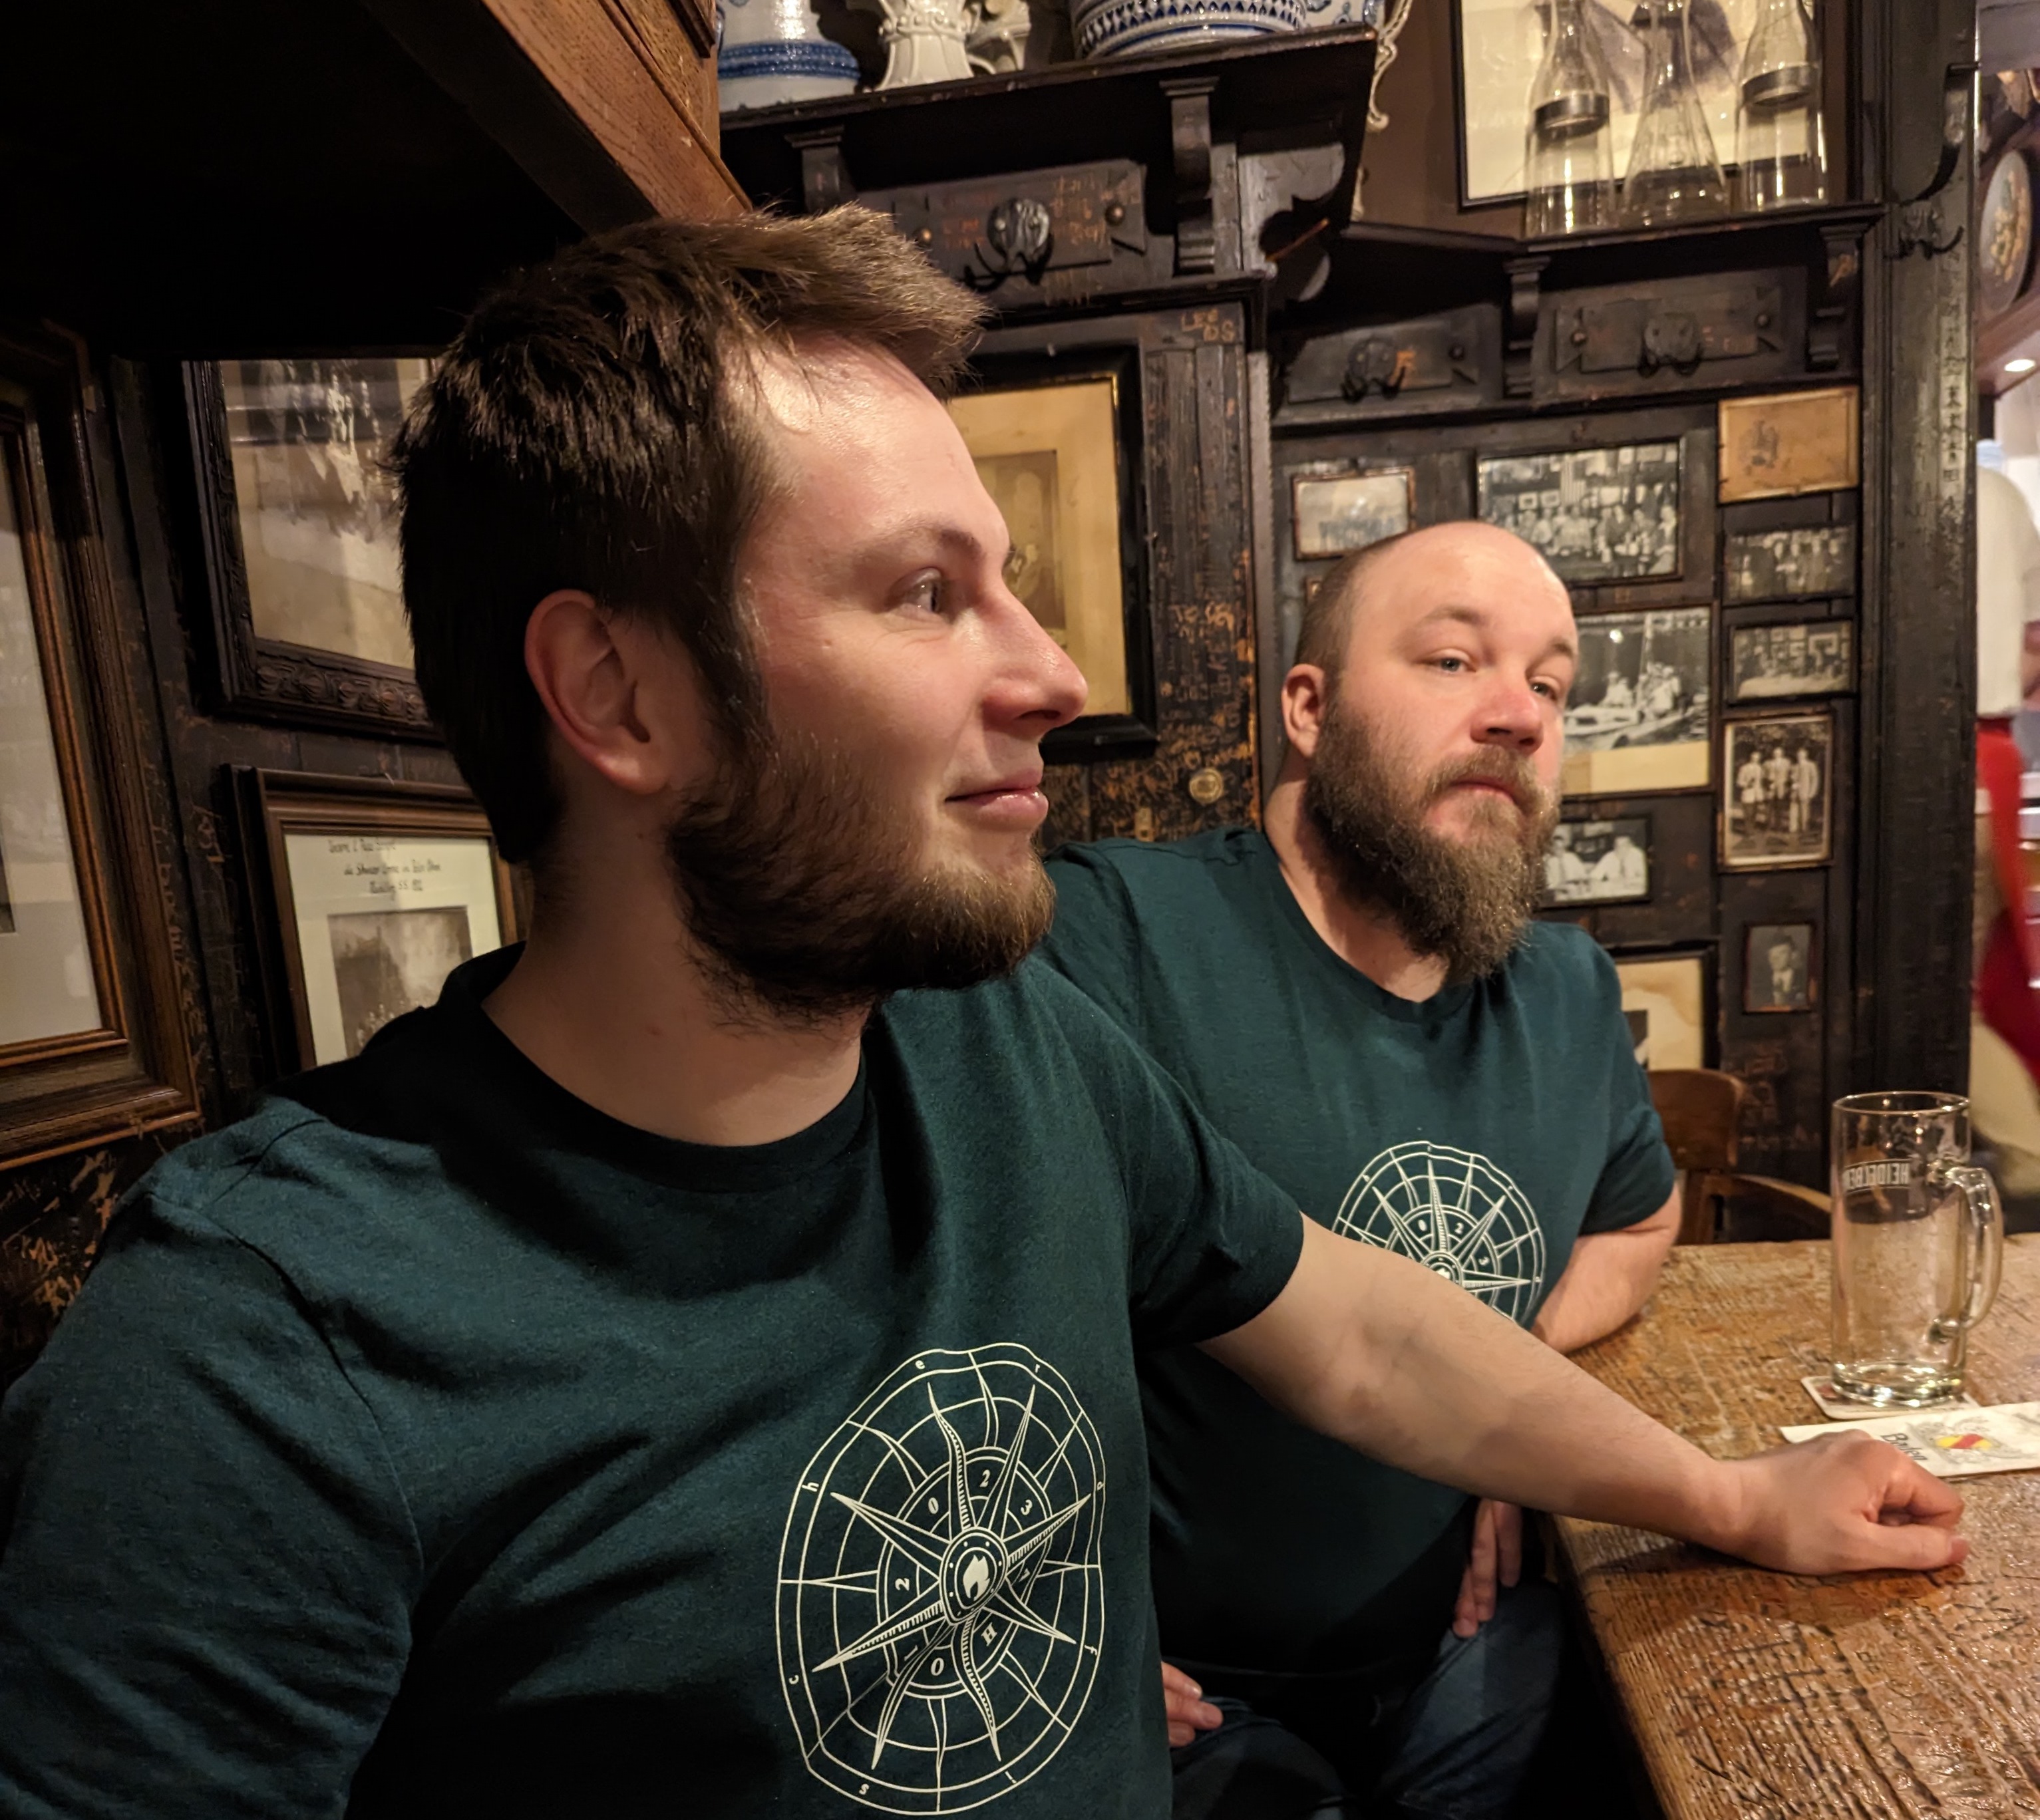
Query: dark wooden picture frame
[
  {"x": 1742, "y": 643},
  {"x": 132, "y": 1071},
  {"x": 275, "y": 805},
  {"x": 267, "y": 678},
  {"x": 1755, "y": 848},
  {"x": 1579, "y": 893},
  {"x": 1809, "y": 991},
  {"x": 1013, "y": 368}
]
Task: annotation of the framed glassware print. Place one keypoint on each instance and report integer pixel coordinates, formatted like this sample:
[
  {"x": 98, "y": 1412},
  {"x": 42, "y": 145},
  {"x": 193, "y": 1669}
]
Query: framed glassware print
[
  {"x": 92, "y": 1039},
  {"x": 298, "y": 515},
  {"x": 378, "y": 890}
]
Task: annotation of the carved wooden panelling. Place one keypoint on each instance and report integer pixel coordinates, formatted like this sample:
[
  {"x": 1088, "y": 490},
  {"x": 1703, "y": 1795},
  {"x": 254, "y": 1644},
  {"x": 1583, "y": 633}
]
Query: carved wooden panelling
[
  {"x": 1742, "y": 328},
  {"x": 1451, "y": 362}
]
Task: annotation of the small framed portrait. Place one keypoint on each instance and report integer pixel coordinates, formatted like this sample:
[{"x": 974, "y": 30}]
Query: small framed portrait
[
  {"x": 1777, "y": 785},
  {"x": 298, "y": 511},
  {"x": 1637, "y": 719},
  {"x": 1779, "y": 565},
  {"x": 1594, "y": 514},
  {"x": 1333, "y": 514},
  {"x": 1778, "y": 966},
  {"x": 1599, "y": 862},
  {"x": 1664, "y": 998},
  {"x": 378, "y": 890},
  {"x": 1793, "y": 442},
  {"x": 1809, "y": 657},
  {"x": 1049, "y": 455}
]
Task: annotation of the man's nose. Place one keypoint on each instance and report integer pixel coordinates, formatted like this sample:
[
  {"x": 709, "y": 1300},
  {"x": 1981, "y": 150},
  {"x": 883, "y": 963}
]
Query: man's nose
[
  {"x": 1043, "y": 686},
  {"x": 1512, "y": 715}
]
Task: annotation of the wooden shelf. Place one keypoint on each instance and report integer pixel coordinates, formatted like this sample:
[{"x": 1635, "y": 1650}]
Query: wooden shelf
[{"x": 1068, "y": 113}]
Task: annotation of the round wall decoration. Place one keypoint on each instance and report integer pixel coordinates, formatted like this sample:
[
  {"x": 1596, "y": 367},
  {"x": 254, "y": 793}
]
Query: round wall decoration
[{"x": 2004, "y": 238}]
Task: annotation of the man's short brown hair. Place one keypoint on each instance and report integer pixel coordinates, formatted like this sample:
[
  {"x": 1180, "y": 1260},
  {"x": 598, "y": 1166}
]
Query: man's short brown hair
[
  {"x": 1328, "y": 613},
  {"x": 583, "y": 432}
]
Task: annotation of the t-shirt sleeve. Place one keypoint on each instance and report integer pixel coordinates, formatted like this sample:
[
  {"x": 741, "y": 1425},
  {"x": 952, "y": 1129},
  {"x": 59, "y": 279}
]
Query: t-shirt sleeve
[
  {"x": 1094, "y": 942},
  {"x": 1638, "y": 1176},
  {"x": 1211, "y": 1241},
  {"x": 207, "y": 1565}
]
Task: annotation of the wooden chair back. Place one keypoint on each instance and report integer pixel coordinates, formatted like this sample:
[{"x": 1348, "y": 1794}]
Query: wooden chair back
[{"x": 1700, "y": 1109}]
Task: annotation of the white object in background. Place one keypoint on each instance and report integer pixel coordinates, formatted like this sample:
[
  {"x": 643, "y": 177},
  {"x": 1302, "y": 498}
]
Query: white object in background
[
  {"x": 771, "y": 52},
  {"x": 1117, "y": 27},
  {"x": 924, "y": 41},
  {"x": 2007, "y": 589},
  {"x": 1007, "y": 36}
]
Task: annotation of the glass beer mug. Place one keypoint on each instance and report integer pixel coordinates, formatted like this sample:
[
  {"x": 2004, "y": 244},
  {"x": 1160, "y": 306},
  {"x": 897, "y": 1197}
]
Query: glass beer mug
[{"x": 1918, "y": 1242}]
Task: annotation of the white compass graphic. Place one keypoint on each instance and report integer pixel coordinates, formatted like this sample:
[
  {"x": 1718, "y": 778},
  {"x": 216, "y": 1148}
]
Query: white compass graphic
[
  {"x": 1455, "y": 1212},
  {"x": 941, "y": 1600}
]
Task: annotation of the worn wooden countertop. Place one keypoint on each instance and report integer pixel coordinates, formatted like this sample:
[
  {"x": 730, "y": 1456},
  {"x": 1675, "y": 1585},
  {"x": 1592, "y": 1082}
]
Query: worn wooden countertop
[{"x": 1753, "y": 1695}]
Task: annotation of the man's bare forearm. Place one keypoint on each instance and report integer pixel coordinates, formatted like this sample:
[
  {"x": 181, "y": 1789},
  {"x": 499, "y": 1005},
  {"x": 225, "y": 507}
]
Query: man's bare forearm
[
  {"x": 1606, "y": 1281},
  {"x": 1382, "y": 1354}
]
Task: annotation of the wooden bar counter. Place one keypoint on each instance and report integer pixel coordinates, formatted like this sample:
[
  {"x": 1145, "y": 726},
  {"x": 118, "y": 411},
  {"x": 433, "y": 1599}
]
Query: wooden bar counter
[{"x": 1753, "y": 1695}]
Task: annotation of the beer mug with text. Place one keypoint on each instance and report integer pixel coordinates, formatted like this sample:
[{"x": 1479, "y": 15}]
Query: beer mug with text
[{"x": 1918, "y": 1242}]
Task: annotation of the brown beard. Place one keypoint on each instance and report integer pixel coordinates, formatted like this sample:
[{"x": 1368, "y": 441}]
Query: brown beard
[
  {"x": 807, "y": 902},
  {"x": 1465, "y": 901}
]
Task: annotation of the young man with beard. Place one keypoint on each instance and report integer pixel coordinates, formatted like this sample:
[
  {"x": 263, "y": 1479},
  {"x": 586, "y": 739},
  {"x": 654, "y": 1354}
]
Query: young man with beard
[
  {"x": 1358, "y": 998},
  {"x": 690, "y": 1368}
]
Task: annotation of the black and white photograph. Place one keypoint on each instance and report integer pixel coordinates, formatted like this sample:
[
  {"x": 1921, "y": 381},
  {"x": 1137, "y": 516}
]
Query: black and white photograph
[
  {"x": 1779, "y": 779},
  {"x": 1664, "y": 1003},
  {"x": 1594, "y": 514},
  {"x": 1809, "y": 658},
  {"x": 1778, "y": 966},
  {"x": 1599, "y": 862},
  {"x": 386, "y": 962},
  {"x": 1333, "y": 514},
  {"x": 1782, "y": 565},
  {"x": 1636, "y": 717}
]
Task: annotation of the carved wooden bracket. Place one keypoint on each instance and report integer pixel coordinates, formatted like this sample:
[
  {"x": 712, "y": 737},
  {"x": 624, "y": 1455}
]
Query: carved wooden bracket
[
  {"x": 1519, "y": 345},
  {"x": 1834, "y": 293},
  {"x": 1190, "y": 139}
]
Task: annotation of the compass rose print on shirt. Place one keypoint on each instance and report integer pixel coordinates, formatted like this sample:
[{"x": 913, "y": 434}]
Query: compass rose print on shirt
[
  {"x": 941, "y": 1599},
  {"x": 1456, "y": 1214}
]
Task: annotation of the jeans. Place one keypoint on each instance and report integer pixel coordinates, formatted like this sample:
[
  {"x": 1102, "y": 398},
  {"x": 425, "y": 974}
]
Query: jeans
[{"x": 1453, "y": 1746}]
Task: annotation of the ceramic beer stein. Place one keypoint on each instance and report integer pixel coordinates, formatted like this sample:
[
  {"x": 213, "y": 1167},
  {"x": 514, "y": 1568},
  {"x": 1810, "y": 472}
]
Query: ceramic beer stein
[{"x": 773, "y": 50}]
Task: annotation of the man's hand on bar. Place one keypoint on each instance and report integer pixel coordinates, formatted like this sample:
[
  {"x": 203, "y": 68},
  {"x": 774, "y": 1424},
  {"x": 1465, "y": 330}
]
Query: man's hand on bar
[{"x": 1376, "y": 1351}]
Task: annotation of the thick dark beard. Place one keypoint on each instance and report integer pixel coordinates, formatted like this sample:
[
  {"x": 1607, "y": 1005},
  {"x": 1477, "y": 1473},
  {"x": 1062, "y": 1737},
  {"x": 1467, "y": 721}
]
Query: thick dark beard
[
  {"x": 807, "y": 900},
  {"x": 1464, "y": 902}
]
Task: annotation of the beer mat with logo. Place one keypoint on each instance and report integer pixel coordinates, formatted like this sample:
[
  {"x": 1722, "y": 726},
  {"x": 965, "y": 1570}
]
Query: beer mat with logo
[
  {"x": 1837, "y": 1407},
  {"x": 1953, "y": 1444}
]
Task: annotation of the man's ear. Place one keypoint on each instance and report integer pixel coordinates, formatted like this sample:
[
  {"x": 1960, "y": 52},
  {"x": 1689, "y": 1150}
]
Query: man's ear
[
  {"x": 1305, "y": 695},
  {"x": 620, "y": 698}
]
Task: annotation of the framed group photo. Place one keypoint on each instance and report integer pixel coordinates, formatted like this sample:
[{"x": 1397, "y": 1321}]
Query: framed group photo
[
  {"x": 1780, "y": 566},
  {"x": 1806, "y": 657},
  {"x": 1599, "y": 862},
  {"x": 1594, "y": 514},
  {"x": 377, "y": 891},
  {"x": 1778, "y": 790},
  {"x": 1332, "y": 515},
  {"x": 1637, "y": 718},
  {"x": 298, "y": 511}
]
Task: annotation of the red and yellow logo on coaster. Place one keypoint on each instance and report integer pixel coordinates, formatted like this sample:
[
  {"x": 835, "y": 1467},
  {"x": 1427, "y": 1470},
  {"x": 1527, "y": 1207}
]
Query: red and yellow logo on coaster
[{"x": 1979, "y": 1443}]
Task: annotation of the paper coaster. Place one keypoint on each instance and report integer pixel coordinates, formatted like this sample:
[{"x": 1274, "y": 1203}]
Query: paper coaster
[
  {"x": 1955, "y": 1444},
  {"x": 1837, "y": 1407}
]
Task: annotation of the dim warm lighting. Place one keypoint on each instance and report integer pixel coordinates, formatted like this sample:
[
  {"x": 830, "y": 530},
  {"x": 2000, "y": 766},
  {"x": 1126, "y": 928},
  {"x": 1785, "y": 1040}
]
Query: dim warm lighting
[{"x": 2021, "y": 365}]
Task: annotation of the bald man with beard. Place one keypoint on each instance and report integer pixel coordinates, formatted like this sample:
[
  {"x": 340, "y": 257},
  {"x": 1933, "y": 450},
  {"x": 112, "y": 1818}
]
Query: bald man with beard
[{"x": 1357, "y": 997}]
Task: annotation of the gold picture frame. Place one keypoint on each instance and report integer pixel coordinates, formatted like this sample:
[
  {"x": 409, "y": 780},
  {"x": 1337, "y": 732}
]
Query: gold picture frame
[
  {"x": 1049, "y": 456},
  {"x": 1789, "y": 443}
]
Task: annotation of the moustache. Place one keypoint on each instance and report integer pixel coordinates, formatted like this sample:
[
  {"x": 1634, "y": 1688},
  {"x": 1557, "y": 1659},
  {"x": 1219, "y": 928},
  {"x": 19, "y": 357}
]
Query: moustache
[{"x": 1511, "y": 771}]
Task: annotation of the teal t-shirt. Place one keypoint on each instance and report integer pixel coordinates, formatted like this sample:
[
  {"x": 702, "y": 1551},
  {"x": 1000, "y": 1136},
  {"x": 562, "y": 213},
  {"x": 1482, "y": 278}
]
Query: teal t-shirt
[
  {"x": 432, "y": 1443},
  {"x": 1479, "y": 1132}
]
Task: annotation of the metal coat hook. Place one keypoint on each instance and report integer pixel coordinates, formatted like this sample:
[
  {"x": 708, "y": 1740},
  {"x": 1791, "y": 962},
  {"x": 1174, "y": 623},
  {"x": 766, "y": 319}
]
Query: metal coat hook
[{"x": 1920, "y": 227}]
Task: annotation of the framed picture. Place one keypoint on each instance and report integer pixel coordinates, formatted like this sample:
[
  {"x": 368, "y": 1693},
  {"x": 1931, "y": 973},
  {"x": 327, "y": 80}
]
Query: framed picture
[
  {"x": 378, "y": 890},
  {"x": 1794, "y": 443},
  {"x": 1599, "y": 862},
  {"x": 298, "y": 515},
  {"x": 1637, "y": 719},
  {"x": 1594, "y": 514},
  {"x": 1778, "y": 966},
  {"x": 1777, "y": 565},
  {"x": 1498, "y": 44},
  {"x": 1052, "y": 446},
  {"x": 93, "y": 1042},
  {"x": 1812, "y": 657},
  {"x": 1665, "y": 1000},
  {"x": 1333, "y": 514},
  {"x": 1778, "y": 783}
]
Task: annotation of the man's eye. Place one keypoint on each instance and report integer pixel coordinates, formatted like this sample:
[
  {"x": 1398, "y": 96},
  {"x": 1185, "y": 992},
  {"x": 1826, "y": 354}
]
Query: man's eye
[
  {"x": 1451, "y": 664},
  {"x": 927, "y": 593}
]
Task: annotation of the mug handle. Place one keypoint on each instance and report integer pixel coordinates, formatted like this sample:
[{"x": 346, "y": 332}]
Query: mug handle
[{"x": 1983, "y": 1228}]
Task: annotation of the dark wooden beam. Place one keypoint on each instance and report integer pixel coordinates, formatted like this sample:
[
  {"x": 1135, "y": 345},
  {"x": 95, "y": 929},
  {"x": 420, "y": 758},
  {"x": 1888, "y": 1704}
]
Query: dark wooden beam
[
  {"x": 603, "y": 103},
  {"x": 1915, "y": 843}
]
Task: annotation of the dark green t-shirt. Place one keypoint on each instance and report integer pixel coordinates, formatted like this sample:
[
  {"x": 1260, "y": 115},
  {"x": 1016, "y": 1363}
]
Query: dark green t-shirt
[
  {"x": 1478, "y": 1132},
  {"x": 432, "y": 1436}
]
